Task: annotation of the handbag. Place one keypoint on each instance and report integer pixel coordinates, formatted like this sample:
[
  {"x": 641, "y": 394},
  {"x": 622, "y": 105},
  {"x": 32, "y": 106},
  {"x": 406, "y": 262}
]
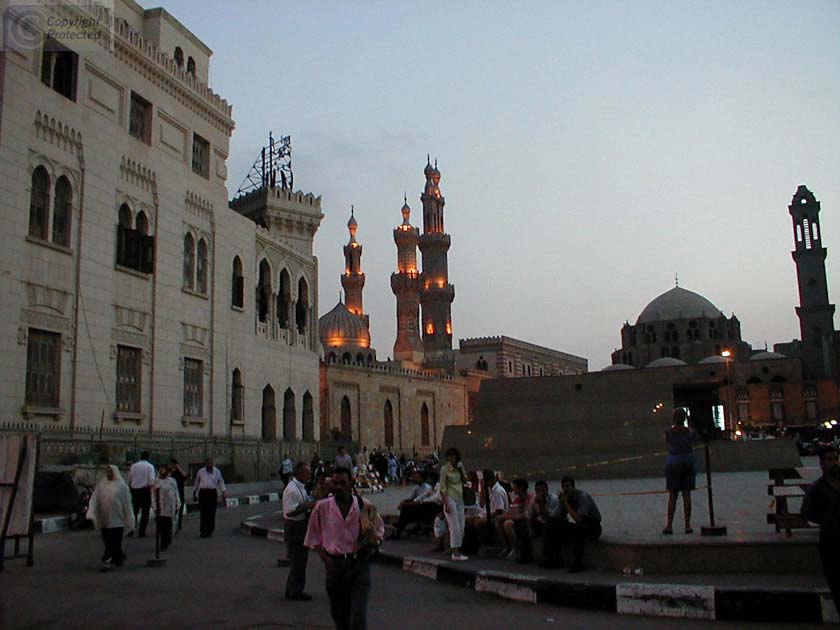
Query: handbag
[{"x": 368, "y": 518}]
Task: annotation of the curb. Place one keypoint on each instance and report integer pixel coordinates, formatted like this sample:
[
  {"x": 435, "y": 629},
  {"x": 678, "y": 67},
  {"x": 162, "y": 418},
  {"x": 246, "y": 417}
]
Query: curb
[
  {"x": 683, "y": 601},
  {"x": 56, "y": 524}
]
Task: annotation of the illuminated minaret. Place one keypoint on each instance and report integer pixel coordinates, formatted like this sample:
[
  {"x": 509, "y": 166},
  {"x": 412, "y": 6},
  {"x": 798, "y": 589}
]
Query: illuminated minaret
[
  {"x": 405, "y": 284},
  {"x": 437, "y": 294},
  {"x": 816, "y": 314},
  {"x": 353, "y": 280}
]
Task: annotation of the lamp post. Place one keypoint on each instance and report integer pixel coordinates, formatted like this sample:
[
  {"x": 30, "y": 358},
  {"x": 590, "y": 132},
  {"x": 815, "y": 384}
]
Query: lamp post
[{"x": 712, "y": 529}]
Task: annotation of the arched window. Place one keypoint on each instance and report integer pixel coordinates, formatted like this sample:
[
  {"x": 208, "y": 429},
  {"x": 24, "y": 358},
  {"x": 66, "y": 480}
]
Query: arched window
[
  {"x": 142, "y": 224},
  {"x": 815, "y": 231},
  {"x": 424, "y": 425},
  {"x": 347, "y": 358},
  {"x": 289, "y": 428},
  {"x": 360, "y": 359},
  {"x": 284, "y": 299},
  {"x": 263, "y": 291},
  {"x": 798, "y": 233},
  {"x": 179, "y": 57},
  {"x": 39, "y": 202},
  {"x": 201, "y": 267},
  {"x": 124, "y": 235},
  {"x": 189, "y": 261},
  {"x": 302, "y": 306},
  {"x": 237, "y": 298},
  {"x": 331, "y": 357},
  {"x": 346, "y": 419},
  {"x": 269, "y": 415},
  {"x": 807, "y": 231},
  {"x": 62, "y": 209},
  {"x": 237, "y": 399},
  {"x": 389, "y": 423},
  {"x": 191, "y": 66},
  {"x": 308, "y": 418}
]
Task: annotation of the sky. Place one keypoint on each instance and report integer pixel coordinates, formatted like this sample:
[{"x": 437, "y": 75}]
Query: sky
[{"x": 589, "y": 151}]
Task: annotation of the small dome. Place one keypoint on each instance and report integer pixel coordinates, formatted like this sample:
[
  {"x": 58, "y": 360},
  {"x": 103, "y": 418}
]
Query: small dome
[
  {"x": 340, "y": 327},
  {"x": 764, "y": 356},
  {"x": 429, "y": 170},
  {"x": 666, "y": 362},
  {"x": 678, "y": 303},
  {"x": 715, "y": 358},
  {"x": 406, "y": 212},
  {"x": 617, "y": 367}
]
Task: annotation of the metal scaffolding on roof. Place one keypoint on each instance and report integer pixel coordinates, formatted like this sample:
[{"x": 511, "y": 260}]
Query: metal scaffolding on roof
[{"x": 272, "y": 168}]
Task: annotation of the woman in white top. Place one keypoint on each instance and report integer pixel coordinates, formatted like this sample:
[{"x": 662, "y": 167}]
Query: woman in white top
[{"x": 111, "y": 513}]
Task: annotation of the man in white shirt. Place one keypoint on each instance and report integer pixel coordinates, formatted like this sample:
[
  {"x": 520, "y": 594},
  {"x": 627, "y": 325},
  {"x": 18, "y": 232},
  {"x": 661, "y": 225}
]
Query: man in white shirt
[
  {"x": 343, "y": 460},
  {"x": 499, "y": 499},
  {"x": 167, "y": 505},
  {"x": 414, "y": 509},
  {"x": 207, "y": 487},
  {"x": 296, "y": 507},
  {"x": 141, "y": 479}
]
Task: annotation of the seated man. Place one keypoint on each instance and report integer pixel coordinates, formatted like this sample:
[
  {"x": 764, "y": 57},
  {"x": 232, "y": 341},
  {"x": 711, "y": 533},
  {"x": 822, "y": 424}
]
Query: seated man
[
  {"x": 583, "y": 522},
  {"x": 543, "y": 516},
  {"x": 414, "y": 509},
  {"x": 512, "y": 525}
]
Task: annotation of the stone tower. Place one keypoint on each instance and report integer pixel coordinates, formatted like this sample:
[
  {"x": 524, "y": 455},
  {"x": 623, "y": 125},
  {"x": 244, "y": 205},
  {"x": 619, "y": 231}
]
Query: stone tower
[
  {"x": 353, "y": 280},
  {"x": 436, "y": 294},
  {"x": 405, "y": 284},
  {"x": 816, "y": 315}
]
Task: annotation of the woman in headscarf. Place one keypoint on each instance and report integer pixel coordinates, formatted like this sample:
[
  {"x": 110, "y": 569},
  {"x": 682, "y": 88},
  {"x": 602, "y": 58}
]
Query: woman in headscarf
[{"x": 110, "y": 510}]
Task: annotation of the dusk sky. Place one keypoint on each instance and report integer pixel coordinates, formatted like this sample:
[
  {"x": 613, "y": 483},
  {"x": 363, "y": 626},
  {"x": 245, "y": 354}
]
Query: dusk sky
[{"x": 589, "y": 151}]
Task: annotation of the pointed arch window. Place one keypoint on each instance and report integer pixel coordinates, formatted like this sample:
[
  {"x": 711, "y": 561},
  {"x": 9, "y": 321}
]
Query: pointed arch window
[
  {"x": 263, "y": 291},
  {"x": 189, "y": 261},
  {"x": 346, "y": 419},
  {"x": 237, "y": 284},
  {"x": 389, "y": 423},
  {"x": 308, "y": 418},
  {"x": 201, "y": 267},
  {"x": 289, "y": 428},
  {"x": 39, "y": 202},
  {"x": 424, "y": 425},
  {"x": 124, "y": 222},
  {"x": 302, "y": 306},
  {"x": 62, "y": 209},
  {"x": 179, "y": 57},
  {"x": 284, "y": 299},
  {"x": 237, "y": 398},
  {"x": 191, "y": 66}
]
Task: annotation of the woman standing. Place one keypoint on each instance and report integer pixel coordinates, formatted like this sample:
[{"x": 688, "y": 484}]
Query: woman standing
[
  {"x": 452, "y": 480},
  {"x": 110, "y": 510},
  {"x": 679, "y": 469}
]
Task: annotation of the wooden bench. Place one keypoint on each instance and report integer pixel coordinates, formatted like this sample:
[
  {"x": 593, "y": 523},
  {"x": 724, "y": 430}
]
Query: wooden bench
[{"x": 781, "y": 491}]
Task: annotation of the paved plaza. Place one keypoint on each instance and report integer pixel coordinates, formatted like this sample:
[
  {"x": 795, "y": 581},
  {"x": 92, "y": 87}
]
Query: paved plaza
[
  {"x": 630, "y": 510},
  {"x": 232, "y": 581}
]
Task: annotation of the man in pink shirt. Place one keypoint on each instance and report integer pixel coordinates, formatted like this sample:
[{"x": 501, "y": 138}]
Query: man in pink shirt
[{"x": 334, "y": 532}]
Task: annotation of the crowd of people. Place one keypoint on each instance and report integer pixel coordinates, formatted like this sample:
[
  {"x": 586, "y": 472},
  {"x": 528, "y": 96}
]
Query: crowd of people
[
  {"x": 468, "y": 510},
  {"x": 117, "y": 508}
]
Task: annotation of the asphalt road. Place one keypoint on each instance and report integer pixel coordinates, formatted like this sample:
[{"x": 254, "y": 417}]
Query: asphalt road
[{"x": 232, "y": 581}]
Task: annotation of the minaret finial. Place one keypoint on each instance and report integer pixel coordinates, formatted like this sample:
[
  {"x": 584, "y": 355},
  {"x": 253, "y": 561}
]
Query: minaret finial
[
  {"x": 676, "y": 279},
  {"x": 352, "y": 210},
  {"x": 428, "y": 159},
  {"x": 405, "y": 197},
  {"x": 435, "y": 163}
]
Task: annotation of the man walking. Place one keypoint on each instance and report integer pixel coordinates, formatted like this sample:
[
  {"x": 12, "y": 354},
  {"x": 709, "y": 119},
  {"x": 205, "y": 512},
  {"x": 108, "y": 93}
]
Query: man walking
[
  {"x": 141, "y": 479},
  {"x": 335, "y": 528},
  {"x": 296, "y": 507},
  {"x": 822, "y": 506},
  {"x": 167, "y": 505},
  {"x": 177, "y": 473},
  {"x": 343, "y": 460},
  {"x": 207, "y": 487}
]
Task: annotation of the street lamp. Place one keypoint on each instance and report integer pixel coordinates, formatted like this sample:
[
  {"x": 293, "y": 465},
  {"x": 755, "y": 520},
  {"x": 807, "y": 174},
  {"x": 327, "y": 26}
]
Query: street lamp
[{"x": 712, "y": 529}]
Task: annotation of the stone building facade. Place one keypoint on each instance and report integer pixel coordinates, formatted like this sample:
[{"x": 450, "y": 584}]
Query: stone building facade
[
  {"x": 506, "y": 357},
  {"x": 134, "y": 297}
]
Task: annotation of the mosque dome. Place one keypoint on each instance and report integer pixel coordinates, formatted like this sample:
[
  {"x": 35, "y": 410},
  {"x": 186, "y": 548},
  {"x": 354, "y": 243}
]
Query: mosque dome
[
  {"x": 352, "y": 223},
  {"x": 715, "y": 358},
  {"x": 406, "y": 211},
  {"x": 340, "y": 327},
  {"x": 429, "y": 170},
  {"x": 666, "y": 362},
  {"x": 678, "y": 303},
  {"x": 764, "y": 356},
  {"x": 618, "y": 367}
]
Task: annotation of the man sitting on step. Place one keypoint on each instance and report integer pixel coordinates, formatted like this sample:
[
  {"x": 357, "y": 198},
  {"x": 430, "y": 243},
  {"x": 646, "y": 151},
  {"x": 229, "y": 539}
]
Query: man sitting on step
[{"x": 417, "y": 509}]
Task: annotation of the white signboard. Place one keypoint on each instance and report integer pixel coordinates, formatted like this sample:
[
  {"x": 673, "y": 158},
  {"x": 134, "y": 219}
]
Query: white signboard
[{"x": 10, "y": 454}]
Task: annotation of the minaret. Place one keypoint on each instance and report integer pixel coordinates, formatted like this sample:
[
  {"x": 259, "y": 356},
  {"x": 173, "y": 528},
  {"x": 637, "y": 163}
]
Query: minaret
[
  {"x": 437, "y": 294},
  {"x": 353, "y": 280},
  {"x": 405, "y": 284},
  {"x": 816, "y": 315}
]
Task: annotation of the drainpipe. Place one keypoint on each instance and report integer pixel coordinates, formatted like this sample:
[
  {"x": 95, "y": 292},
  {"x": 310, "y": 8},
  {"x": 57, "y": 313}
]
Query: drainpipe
[
  {"x": 156, "y": 201},
  {"x": 212, "y": 319},
  {"x": 78, "y": 287}
]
